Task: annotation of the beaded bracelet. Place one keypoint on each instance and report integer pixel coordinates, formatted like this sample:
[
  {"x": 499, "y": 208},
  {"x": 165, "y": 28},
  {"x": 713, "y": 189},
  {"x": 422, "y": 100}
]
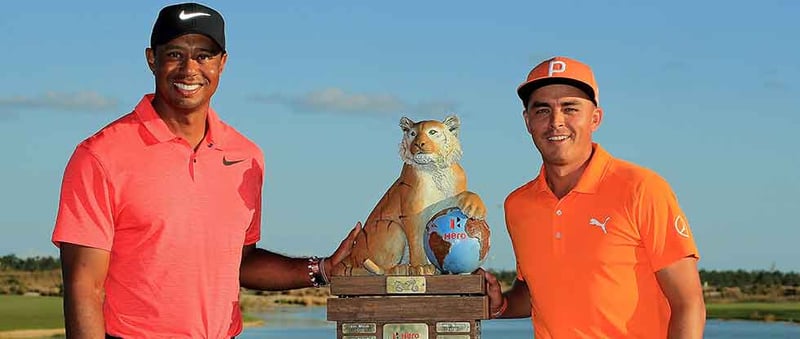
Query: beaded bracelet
[
  {"x": 502, "y": 309},
  {"x": 316, "y": 271}
]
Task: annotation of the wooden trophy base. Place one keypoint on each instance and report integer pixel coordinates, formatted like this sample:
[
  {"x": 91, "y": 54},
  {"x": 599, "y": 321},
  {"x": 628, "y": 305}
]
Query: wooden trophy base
[{"x": 408, "y": 307}]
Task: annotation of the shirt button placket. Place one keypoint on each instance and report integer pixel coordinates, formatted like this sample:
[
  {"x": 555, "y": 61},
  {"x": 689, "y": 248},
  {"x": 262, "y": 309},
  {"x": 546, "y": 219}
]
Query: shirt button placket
[
  {"x": 558, "y": 233},
  {"x": 558, "y": 224}
]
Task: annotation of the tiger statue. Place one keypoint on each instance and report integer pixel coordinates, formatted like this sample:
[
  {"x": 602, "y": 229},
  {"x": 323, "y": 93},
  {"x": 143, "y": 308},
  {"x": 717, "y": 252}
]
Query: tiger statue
[{"x": 431, "y": 180}]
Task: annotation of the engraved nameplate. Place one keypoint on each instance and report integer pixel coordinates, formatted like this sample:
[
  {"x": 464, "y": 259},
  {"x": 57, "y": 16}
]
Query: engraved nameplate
[
  {"x": 405, "y": 331},
  {"x": 358, "y": 328},
  {"x": 453, "y": 327},
  {"x": 402, "y": 285}
]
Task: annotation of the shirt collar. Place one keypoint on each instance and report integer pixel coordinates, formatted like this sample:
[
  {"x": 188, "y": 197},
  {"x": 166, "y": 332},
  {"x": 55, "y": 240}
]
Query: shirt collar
[
  {"x": 158, "y": 128},
  {"x": 592, "y": 174}
]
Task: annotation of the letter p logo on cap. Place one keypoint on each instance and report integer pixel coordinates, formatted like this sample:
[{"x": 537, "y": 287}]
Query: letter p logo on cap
[{"x": 556, "y": 66}]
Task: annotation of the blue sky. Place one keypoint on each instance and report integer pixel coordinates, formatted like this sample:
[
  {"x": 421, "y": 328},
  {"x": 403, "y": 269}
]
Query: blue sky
[{"x": 702, "y": 92}]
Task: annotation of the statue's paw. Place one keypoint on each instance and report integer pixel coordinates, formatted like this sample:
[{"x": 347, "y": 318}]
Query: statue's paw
[
  {"x": 477, "y": 212},
  {"x": 472, "y": 205},
  {"x": 428, "y": 269},
  {"x": 341, "y": 270},
  {"x": 400, "y": 269}
]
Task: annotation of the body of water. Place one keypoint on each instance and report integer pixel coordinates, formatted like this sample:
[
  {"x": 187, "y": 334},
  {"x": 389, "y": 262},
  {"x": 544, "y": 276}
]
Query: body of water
[{"x": 311, "y": 323}]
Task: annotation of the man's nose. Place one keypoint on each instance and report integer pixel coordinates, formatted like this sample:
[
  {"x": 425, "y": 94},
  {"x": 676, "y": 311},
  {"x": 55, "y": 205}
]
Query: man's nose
[
  {"x": 556, "y": 119},
  {"x": 190, "y": 66}
]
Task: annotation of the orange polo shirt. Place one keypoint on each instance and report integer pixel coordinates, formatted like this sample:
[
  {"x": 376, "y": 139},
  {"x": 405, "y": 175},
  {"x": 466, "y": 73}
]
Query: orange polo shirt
[
  {"x": 589, "y": 259},
  {"x": 173, "y": 219}
]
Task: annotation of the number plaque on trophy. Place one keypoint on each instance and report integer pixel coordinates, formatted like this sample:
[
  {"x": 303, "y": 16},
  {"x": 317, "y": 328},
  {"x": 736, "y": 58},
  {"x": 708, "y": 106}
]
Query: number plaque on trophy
[{"x": 442, "y": 306}]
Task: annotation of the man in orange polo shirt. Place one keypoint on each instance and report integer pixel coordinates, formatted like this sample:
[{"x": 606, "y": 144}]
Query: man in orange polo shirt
[
  {"x": 160, "y": 211},
  {"x": 603, "y": 249}
]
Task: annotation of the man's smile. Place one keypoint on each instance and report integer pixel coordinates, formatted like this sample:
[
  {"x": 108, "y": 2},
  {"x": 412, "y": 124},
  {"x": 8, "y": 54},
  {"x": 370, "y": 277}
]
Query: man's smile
[
  {"x": 558, "y": 138},
  {"x": 186, "y": 89}
]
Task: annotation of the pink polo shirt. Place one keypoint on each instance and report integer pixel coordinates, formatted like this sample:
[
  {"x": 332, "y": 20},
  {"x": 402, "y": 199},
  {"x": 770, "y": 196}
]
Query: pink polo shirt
[{"x": 173, "y": 219}]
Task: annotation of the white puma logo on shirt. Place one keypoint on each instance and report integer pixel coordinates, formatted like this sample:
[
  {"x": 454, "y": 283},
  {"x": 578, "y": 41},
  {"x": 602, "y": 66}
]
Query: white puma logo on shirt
[{"x": 595, "y": 222}]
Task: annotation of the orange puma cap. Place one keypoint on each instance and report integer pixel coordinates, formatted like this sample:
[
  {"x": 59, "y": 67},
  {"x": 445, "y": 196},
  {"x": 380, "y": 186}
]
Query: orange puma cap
[{"x": 560, "y": 70}]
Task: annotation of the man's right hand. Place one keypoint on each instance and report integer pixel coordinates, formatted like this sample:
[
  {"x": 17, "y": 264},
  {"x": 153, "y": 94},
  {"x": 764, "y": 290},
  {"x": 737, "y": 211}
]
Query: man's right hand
[{"x": 343, "y": 251}]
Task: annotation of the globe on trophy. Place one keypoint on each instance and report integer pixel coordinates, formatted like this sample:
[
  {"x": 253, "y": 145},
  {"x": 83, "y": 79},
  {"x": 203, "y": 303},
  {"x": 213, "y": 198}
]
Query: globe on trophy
[{"x": 455, "y": 243}]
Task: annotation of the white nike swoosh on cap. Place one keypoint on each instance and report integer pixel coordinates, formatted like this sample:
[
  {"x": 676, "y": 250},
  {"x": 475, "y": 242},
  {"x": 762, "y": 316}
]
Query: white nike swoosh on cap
[{"x": 187, "y": 16}]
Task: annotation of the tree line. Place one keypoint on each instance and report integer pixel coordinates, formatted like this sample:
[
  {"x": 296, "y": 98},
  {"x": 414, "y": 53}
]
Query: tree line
[
  {"x": 719, "y": 278},
  {"x": 30, "y": 264},
  {"x": 750, "y": 278}
]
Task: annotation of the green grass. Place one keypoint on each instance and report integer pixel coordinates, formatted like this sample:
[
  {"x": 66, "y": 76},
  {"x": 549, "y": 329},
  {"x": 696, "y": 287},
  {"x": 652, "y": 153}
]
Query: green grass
[
  {"x": 34, "y": 313},
  {"x": 23, "y": 313},
  {"x": 788, "y": 311},
  {"x": 250, "y": 318}
]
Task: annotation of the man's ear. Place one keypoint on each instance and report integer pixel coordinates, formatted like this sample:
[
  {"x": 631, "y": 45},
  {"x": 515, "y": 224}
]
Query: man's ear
[
  {"x": 150, "y": 55},
  {"x": 223, "y": 61},
  {"x": 525, "y": 117},
  {"x": 597, "y": 118}
]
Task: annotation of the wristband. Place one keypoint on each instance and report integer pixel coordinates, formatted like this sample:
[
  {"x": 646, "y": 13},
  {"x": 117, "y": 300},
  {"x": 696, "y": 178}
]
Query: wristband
[
  {"x": 322, "y": 272},
  {"x": 502, "y": 309}
]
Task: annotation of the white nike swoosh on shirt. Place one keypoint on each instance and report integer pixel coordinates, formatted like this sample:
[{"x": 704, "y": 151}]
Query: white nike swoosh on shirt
[{"x": 187, "y": 16}]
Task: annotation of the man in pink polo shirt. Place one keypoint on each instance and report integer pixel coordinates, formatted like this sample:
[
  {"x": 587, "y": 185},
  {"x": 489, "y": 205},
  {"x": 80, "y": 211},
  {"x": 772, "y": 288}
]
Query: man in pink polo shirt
[{"x": 160, "y": 210}]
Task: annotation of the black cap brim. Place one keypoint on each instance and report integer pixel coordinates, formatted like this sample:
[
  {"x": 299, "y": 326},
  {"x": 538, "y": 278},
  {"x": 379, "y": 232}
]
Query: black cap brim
[{"x": 525, "y": 91}]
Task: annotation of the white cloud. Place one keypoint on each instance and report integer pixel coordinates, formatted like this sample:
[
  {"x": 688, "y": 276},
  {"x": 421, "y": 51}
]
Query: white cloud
[
  {"x": 776, "y": 85},
  {"x": 77, "y": 101},
  {"x": 337, "y": 100}
]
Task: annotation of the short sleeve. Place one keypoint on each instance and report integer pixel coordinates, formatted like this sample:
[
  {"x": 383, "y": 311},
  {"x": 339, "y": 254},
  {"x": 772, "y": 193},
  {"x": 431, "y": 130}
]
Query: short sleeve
[
  {"x": 253, "y": 233},
  {"x": 663, "y": 226},
  {"x": 85, "y": 214}
]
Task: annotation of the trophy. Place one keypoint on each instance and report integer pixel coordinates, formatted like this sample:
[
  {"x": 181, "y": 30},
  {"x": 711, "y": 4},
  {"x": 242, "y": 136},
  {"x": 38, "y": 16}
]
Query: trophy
[{"x": 408, "y": 275}]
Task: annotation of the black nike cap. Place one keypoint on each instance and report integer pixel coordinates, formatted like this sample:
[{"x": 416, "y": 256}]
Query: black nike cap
[{"x": 188, "y": 18}]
